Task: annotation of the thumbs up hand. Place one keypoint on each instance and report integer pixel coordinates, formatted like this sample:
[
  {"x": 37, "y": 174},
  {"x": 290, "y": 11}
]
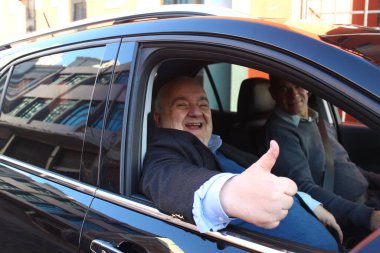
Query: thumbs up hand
[{"x": 256, "y": 195}]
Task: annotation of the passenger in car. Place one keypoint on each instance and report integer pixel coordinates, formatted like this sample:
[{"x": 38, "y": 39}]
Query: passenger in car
[
  {"x": 302, "y": 158},
  {"x": 183, "y": 175}
]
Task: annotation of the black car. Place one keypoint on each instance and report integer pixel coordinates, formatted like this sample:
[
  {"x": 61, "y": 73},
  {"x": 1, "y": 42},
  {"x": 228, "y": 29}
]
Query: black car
[{"x": 75, "y": 112}]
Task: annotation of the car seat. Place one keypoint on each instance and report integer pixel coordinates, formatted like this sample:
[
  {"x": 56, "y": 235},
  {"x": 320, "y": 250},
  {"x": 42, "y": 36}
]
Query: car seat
[{"x": 255, "y": 105}]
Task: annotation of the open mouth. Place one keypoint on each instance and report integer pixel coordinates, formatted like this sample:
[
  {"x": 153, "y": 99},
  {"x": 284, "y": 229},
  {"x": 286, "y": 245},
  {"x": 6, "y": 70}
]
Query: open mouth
[
  {"x": 296, "y": 102},
  {"x": 194, "y": 125}
]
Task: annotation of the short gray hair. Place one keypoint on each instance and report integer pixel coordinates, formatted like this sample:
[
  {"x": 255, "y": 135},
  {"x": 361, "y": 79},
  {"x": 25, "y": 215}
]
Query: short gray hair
[{"x": 162, "y": 92}]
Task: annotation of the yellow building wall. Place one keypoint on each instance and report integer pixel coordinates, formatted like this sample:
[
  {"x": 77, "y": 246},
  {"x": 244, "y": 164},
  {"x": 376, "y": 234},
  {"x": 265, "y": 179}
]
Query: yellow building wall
[
  {"x": 12, "y": 20},
  {"x": 276, "y": 9},
  {"x": 52, "y": 13},
  {"x": 95, "y": 8}
]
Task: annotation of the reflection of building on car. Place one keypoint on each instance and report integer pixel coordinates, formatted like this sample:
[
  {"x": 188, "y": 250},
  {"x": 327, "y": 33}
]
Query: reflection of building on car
[
  {"x": 36, "y": 201},
  {"x": 54, "y": 100}
]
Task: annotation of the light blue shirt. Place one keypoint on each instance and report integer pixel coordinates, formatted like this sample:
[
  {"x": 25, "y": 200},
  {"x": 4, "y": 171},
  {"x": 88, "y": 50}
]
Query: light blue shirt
[
  {"x": 207, "y": 210},
  {"x": 295, "y": 119}
]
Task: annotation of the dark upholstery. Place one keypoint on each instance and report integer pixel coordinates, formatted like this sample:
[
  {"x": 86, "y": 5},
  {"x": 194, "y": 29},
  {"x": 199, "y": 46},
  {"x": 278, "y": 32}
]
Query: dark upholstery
[
  {"x": 254, "y": 100},
  {"x": 255, "y": 105}
]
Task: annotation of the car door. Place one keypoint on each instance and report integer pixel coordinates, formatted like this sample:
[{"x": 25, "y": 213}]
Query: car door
[
  {"x": 120, "y": 219},
  {"x": 115, "y": 222},
  {"x": 45, "y": 184},
  {"x": 360, "y": 141}
]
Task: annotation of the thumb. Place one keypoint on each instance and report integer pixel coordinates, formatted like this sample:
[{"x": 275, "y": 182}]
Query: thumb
[{"x": 268, "y": 160}]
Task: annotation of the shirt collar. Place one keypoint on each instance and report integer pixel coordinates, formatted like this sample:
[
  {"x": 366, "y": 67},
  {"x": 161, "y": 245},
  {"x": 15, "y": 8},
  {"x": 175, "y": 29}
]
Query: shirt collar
[
  {"x": 214, "y": 143},
  {"x": 296, "y": 119}
]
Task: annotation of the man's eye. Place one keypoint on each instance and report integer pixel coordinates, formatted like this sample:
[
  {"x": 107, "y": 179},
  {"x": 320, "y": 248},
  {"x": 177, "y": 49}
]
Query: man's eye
[
  {"x": 204, "y": 106},
  {"x": 181, "y": 105}
]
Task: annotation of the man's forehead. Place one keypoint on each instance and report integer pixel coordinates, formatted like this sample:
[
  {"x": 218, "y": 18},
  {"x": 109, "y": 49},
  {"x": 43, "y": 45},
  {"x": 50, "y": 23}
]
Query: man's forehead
[
  {"x": 285, "y": 83},
  {"x": 187, "y": 90}
]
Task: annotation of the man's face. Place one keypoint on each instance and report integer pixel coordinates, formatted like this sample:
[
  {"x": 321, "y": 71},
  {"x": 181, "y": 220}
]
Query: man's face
[
  {"x": 290, "y": 98},
  {"x": 185, "y": 107}
]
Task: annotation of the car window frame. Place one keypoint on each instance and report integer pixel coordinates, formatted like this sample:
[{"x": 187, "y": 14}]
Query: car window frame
[{"x": 242, "y": 53}]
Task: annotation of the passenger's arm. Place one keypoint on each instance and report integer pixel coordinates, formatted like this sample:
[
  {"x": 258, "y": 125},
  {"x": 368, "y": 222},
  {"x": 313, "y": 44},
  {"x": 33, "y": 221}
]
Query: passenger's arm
[
  {"x": 169, "y": 176},
  {"x": 309, "y": 200},
  {"x": 293, "y": 163},
  {"x": 208, "y": 213},
  {"x": 322, "y": 214}
]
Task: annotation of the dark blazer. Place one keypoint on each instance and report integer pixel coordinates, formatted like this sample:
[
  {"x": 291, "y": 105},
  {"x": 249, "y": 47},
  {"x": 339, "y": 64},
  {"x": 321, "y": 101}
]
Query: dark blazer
[{"x": 176, "y": 164}]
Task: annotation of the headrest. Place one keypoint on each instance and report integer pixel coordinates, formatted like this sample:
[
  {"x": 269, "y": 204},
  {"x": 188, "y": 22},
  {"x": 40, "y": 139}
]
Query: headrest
[{"x": 254, "y": 98}]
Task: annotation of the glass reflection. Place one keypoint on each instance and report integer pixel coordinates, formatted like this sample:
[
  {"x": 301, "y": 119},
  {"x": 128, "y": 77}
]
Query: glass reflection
[
  {"x": 46, "y": 108},
  {"x": 39, "y": 215}
]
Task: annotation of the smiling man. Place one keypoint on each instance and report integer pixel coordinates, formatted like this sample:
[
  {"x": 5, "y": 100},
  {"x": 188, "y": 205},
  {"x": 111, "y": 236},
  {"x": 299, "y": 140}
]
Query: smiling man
[
  {"x": 187, "y": 172},
  {"x": 303, "y": 159},
  {"x": 190, "y": 112}
]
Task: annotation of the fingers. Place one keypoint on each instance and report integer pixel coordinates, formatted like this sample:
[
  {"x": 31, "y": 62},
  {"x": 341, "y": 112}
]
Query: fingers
[
  {"x": 256, "y": 195},
  {"x": 269, "y": 158},
  {"x": 273, "y": 220},
  {"x": 337, "y": 228},
  {"x": 328, "y": 220},
  {"x": 271, "y": 225},
  {"x": 289, "y": 186},
  {"x": 287, "y": 202},
  {"x": 375, "y": 220},
  {"x": 340, "y": 233}
]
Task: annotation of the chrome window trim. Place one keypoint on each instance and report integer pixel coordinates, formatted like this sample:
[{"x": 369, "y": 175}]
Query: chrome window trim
[
  {"x": 48, "y": 175},
  {"x": 153, "y": 212},
  {"x": 60, "y": 48}
]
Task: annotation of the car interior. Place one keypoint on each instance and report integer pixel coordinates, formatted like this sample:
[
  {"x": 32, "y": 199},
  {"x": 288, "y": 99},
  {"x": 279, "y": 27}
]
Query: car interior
[
  {"x": 238, "y": 117},
  {"x": 240, "y": 114}
]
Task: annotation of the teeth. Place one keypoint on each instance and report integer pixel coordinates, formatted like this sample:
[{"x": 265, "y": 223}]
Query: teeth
[{"x": 194, "y": 124}]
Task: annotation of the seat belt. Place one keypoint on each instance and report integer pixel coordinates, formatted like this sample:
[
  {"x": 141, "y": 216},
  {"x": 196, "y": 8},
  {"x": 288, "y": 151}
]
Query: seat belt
[{"x": 328, "y": 180}]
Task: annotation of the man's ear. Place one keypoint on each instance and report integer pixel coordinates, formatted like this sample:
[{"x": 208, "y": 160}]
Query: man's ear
[{"x": 157, "y": 119}]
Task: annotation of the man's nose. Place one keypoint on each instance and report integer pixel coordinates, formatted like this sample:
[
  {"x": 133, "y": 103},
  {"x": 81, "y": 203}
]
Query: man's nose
[
  {"x": 195, "y": 110},
  {"x": 292, "y": 92}
]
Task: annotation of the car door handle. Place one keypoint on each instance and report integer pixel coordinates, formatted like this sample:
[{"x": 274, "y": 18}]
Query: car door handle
[{"x": 100, "y": 246}]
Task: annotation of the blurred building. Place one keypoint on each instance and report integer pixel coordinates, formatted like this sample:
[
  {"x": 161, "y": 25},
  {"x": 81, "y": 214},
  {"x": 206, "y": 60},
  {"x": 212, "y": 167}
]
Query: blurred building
[
  {"x": 23, "y": 16},
  {"x": 35, "y": 15}
]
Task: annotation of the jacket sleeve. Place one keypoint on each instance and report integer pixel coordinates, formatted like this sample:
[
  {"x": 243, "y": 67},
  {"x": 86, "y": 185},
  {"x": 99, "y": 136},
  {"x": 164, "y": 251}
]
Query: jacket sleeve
[{"x": 174, "y": 168}]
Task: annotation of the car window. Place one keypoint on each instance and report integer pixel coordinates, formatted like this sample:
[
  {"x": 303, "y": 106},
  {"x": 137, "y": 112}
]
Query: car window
[
  {"x": 346, "y": 118},
  {"x": 223, "y": 75},
  {"x": 112, "y": 137},
  {"x": 46, "y": 107},
  {"x": 226, "y": 75}
]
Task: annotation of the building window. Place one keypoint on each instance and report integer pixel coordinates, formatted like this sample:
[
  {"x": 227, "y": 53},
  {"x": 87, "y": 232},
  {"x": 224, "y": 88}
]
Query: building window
[
  {"x": 366, "y": 12},
  {"x": 358, "y": 12},
  {"x": 79, "y": 10}
]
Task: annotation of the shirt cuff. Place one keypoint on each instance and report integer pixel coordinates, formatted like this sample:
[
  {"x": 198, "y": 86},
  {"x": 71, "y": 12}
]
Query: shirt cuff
[
  {"x": 207, "y": 210},
  {"x": 309, "y": 201}
]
